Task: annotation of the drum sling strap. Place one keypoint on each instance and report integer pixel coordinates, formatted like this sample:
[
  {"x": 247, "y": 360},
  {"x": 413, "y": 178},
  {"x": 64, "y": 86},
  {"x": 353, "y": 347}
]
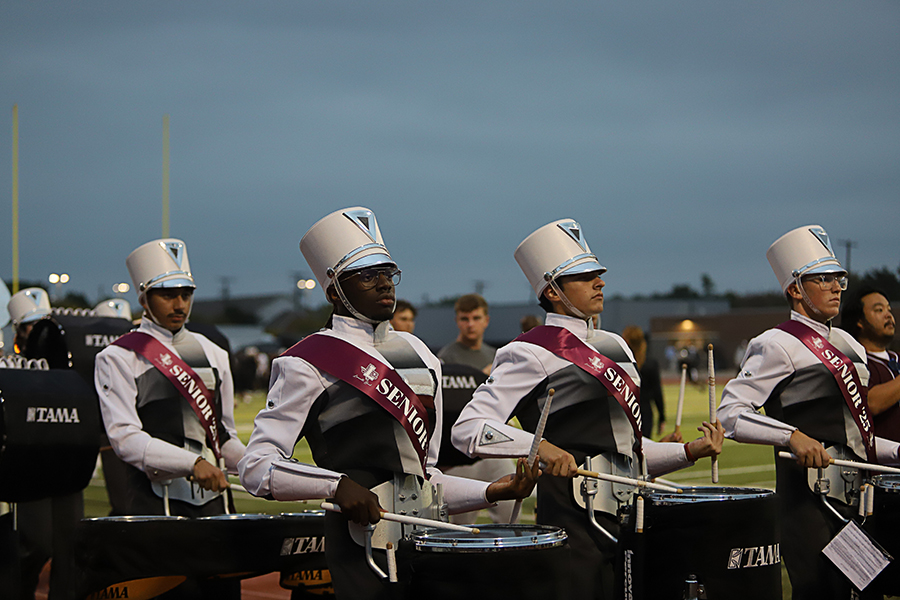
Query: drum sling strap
[
  {"x": 371, "y": 377},
  {"x": 845, "y": 375},
  {"x": 566, "y": 345},
  {"x": 182, "y": 376}
]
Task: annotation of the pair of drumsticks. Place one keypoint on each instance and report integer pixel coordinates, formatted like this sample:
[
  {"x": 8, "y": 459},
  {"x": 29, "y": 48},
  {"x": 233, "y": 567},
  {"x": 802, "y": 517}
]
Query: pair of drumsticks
[{"x": 712, "y": 405}]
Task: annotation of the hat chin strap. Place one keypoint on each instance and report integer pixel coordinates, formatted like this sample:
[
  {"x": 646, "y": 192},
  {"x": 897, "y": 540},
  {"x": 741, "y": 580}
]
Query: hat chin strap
[
  {"x": 349, "y": 307},
  {"x": 565, "y": 300},
  {"x": 807, "y": 299}
]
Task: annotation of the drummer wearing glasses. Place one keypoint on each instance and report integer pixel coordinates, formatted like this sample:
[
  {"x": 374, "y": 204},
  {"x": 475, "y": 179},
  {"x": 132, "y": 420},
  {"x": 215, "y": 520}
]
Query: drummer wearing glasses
[
  {"x": 810, "y": 378},
  {"x": 368, "y": 400},
  {"x": 594, "y": 420}
]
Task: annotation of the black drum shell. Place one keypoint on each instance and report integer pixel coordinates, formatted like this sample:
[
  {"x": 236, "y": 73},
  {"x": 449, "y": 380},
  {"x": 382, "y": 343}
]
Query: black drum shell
[
  {"x": 719, "y": 528},
  {"x": 113, "y": 550},
  {"x": 884, "y": 526},
  {"x": 73, "y": 341},
  {"x": 44, "y": 452},
  {"x": 509, "y": 573}
]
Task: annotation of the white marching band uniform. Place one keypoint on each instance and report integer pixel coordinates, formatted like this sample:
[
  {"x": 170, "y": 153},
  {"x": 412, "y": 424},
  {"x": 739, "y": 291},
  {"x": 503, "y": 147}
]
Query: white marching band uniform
[
  {"x": 117, "y": 373},
  {"x": 519, "y": 370},
  {"x": 267, "y": 469}
]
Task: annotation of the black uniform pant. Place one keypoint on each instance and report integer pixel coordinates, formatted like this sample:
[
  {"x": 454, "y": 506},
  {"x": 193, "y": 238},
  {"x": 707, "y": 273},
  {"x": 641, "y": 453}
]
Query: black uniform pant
[
  {"x": 46, "y": 530},
  {"x": 807, "y": 527},
  {"x": 591, "y": 567}
]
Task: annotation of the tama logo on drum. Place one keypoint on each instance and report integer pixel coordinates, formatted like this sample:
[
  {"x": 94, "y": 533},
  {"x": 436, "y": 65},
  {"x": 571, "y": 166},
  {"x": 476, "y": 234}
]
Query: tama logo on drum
[
  {"x": 459, "y": 382},
  {"x": 303, "y": 545},
  {"x": 41, "y": 414},
  {"x": 755, "y": 556},
  {"x": 97, "y": 340}
]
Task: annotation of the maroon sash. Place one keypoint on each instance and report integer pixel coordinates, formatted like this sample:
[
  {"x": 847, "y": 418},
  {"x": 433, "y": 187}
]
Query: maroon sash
[
  {"x": 845, "y": 376},
  {"x": 182, "y": 376},
  {"x": 373, "y": 378},
  {"x": 566, "y": 345}
]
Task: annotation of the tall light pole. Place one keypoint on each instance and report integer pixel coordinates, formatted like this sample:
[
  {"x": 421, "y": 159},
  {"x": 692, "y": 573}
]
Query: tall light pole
[{"x": 15, "y": 199}]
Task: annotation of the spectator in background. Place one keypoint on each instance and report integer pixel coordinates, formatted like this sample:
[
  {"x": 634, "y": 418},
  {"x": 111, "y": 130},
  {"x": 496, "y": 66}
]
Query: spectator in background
[
  {"x": 404, "y": 318},
  {"x": 868, "y": 318},
  {"x": 651, "y": 382},
  {"x": 472, "y": 320},
  {"x": 529, "y": 322},
  {"x": 470, "y": 350}
]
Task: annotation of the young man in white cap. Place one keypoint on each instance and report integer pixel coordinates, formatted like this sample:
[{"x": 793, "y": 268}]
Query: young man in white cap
[
  {"x": 809, "y": 377},
  {"x": 26, "y": 308},
  {"x": 593, "y": 422},
  {"x": 368, "y": 401},
  {"x": 167, "y": 399}
]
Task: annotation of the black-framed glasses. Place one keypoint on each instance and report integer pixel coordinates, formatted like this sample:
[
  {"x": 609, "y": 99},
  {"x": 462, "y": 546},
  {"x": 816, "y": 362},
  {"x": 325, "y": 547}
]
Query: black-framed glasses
[
  {"x": 368, "y": 278},
  {"x": 826, "y": 280}
]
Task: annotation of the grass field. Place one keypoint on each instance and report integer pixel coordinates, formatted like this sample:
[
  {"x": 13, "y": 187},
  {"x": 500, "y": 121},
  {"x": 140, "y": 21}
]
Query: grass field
[{"x": 740, "y": 465}]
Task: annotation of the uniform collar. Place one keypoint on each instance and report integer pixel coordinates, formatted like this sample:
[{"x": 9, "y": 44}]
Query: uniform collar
[
  {"x": 820, "y": 328},
  {"x": 162, "y": 333},
  {"x": 359, "y": 331},
  {"x": 581, "y": 328}
]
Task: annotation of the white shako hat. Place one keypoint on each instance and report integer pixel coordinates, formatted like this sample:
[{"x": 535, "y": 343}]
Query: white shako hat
[
  {"x": 114, "y": 307},
  {"x": 554, "y": 250},
  {"x": 802, "y": 251},
  {"x": 160, "y": 264},
  {"x": 346, "y": 240},
  {"x": 30, "y": 304}
]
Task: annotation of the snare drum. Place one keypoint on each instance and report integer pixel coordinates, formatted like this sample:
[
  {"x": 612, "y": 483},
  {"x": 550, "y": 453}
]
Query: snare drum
[
  {"x": 502, "y": 561},
  {"x": 728, "y": 538},
  {"x": 884, "y": 526},
  {"x": 119, "y": 551},
  {"x": 131, "y": 557}
]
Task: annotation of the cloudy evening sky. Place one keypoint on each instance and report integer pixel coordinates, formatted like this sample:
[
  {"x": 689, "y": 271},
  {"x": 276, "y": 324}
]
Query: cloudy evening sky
[{"x": 685, "y": 137}]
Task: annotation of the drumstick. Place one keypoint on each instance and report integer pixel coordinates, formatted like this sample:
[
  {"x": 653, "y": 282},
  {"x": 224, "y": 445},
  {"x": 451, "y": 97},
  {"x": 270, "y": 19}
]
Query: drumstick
[
  {"x": 712, "y": 409},
  {"x": 849, "y": 463},
  {"x": 238, "y": 487},
  {"x": 229, "y": 497},
  {"x": 628, "y": 481},
  {"x": 388, "y": 516},
  {"x": 680, "y": 399},
  {"x": 532, "y": 454}
]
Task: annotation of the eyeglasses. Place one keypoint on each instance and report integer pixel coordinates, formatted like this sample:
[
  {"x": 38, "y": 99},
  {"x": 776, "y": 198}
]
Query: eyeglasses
[
  {"x": 368, "y": 278},
  {"x": 826, "y": 280}
]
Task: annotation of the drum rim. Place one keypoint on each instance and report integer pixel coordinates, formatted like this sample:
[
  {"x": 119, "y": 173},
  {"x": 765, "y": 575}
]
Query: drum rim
[
  {"x": 136, "y": 519},
  {"x": 238, "y": 517},
  {"x": 441, "y": 540},
  {"x": 879, "y": 481},
  {"x": 689, "y": 494}
]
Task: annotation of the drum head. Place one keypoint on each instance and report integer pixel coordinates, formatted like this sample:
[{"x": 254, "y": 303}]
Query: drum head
[{"x": 491, "y": 538}]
